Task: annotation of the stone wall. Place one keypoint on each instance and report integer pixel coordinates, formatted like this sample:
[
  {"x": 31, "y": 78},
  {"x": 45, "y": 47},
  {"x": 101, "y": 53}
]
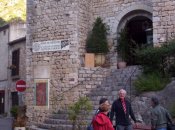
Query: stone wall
[
  {"x": 83, "y": 24},
  {"x": 114, "y": 11},
  {"x": 72, "y": 20},
  {"x": 55, "y": 20},
  {"x": 115, "y": 14},
  {"x": 163, "y": 20}
]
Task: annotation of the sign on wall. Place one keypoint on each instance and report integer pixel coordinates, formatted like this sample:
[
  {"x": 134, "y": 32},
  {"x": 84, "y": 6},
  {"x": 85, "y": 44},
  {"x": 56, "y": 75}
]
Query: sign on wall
[
  {"x": 41, "y": 92},
  {"x": 20, "y": 85},
  {"x": 55, "y": 45}
]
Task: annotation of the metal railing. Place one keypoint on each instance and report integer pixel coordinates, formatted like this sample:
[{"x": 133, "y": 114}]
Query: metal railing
[{"x": 130, "y": 83}]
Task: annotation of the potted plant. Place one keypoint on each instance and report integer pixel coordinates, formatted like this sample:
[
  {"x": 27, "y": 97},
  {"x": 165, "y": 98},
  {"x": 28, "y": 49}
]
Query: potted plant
[
  {"x": 122, "y": 48},
  {"x": 97, "y": 41},
  {"x": 78, "y": 112},
  {"x": 20, "y": 118}
]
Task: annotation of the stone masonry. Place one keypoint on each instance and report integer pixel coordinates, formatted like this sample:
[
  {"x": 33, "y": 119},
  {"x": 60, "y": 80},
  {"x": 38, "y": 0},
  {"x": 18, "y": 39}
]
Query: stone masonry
[{"x": 49, "y": 20}]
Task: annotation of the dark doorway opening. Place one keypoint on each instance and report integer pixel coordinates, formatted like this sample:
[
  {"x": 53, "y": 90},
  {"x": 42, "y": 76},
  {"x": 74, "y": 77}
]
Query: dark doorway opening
[
  {"x": 15, "y": 99},
  {"x": 139, "y": 30},
  {"x": 2, "y": 100}
]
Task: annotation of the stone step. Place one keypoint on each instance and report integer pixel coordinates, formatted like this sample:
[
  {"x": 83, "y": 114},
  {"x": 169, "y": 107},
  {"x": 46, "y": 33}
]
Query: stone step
[
  {"x": 56, "y": 121},
  {"x": 59, "y": 116},
  {"x": 36, "y": 128},
  {"x": 58, "y": 126},
  {"x": 114, "y": 80}
]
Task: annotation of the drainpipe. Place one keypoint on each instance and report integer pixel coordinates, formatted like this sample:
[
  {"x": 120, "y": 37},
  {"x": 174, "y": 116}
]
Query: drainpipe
[{"x": 8, "y": 77}]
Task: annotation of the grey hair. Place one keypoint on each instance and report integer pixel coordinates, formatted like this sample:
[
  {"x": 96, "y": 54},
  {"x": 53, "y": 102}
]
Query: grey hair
[{"x": 122, "y": 91}]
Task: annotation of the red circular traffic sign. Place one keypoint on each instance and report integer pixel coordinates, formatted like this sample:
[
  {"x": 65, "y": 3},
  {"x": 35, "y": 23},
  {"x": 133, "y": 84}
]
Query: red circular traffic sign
[{"x": 20, "y": 85}]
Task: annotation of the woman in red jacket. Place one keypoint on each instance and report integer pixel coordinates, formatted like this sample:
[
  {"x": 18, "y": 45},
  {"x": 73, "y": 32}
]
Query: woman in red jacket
[{"x": 101, "y": 121}]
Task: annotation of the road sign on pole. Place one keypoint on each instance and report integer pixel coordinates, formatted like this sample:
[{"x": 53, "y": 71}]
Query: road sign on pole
[{"x": 20, "y": 85}]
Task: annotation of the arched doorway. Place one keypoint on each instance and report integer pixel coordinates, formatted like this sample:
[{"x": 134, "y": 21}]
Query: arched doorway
[
  {"x": 140, "y": 34},
  {"x": 140, "y": 30},
  {"x": 138, "y": 24}
]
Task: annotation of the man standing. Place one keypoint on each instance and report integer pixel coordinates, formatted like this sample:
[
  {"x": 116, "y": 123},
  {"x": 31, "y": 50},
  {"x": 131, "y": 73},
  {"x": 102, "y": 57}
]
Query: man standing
[
  {"x": 122, "y": 110},
  {"x": 160, "y": 117}
]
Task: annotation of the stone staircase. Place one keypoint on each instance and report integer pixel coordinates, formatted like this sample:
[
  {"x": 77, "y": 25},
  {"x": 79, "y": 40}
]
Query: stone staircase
[{"x": 115, "y": 80}]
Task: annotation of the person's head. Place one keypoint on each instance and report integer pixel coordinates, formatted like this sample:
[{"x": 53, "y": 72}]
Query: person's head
[
  {"x": 104, "y": 105},
  {"x": 102, "y": 100},
  {"x": 154, "y": 101},
  {"x": 122, "y": 93}
]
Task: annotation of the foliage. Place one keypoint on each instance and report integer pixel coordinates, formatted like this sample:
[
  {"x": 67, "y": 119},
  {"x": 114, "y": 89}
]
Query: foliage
[
  {"x": 14, "y": 111},
  {"x": 126, "y": 47},
  {"x": 97, "y": 39},
  {"x": 123, "y": 44},
  {"x": 156, "y": 58},
  {"x": 171, "y": 70},
  {"x": 21, "y": 118},
  {"x": 150, "y": 82},
  {"x": 2, "y": 22},
  {"x": 79, "y": 111},
  {"x": 12, "y": 10}
]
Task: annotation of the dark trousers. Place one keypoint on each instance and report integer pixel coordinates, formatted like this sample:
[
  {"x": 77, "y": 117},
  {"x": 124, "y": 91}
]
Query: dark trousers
[{"x": 122, "y": 127}]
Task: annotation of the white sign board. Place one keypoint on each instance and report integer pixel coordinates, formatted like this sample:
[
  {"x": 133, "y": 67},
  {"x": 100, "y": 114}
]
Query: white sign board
[{"x": 55, "y": 45}]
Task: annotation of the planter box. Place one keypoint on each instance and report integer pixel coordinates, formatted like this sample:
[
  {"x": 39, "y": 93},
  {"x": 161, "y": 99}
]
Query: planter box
[
  {"x": 19, "y": 128},
  {"x": 89, "y": 59},
  {"x": 99, "y": 59}
]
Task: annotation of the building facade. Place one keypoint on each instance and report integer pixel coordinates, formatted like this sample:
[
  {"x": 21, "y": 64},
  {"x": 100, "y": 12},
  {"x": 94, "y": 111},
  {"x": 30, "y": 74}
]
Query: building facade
[
  {"x": 55, "y": 44},
  {"x": 13, "y": 66}
]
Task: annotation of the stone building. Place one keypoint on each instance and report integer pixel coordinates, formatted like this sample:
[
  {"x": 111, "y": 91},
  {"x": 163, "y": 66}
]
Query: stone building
[
  {"x": 59, "y": 71},
  {"x": 12, "y": 67}
]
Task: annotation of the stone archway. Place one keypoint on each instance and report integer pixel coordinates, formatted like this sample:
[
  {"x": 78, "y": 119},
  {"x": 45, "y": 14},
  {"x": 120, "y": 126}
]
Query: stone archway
[{"x": 138, "y": 23}]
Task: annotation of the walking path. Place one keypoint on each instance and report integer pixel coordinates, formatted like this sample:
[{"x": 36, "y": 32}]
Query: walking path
[{"x": 5, "y": 123}]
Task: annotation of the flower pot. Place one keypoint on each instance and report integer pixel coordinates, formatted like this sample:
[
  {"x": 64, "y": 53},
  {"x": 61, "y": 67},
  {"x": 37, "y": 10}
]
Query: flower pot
[
  {"x": 19, "y": 128},
  {"x": 99, "y": 59},
  {"x": 121, "y": 64}
]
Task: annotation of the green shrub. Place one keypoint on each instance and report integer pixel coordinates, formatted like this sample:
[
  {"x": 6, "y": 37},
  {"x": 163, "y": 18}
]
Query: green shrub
[
  {"x": 156, "y": 58},
  {"x": 123, "y": 45},
  {"x": 14, "y": 111},
  {"x": 171, "y": 70},
  {"x": 79, "y": 111},
  {"x": 97, "y": 39},
  {"x": 150, "y": 82}
]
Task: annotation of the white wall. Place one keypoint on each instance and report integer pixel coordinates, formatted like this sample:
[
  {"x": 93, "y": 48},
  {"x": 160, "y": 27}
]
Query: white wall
[
  {"x": 3, "y": 54},
  {"x": 17, "y": 31}
]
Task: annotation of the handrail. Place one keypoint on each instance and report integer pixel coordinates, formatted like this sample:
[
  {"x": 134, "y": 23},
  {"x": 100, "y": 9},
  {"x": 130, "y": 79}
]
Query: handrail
[
  {"x": 79, "y": 83},
  {"x": 129, "y": 79}
]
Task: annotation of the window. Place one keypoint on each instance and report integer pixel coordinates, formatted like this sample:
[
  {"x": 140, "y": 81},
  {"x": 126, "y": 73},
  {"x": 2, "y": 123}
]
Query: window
[
  {"x": 41, "y": 92},
  {"x": 15, "y": 62}
]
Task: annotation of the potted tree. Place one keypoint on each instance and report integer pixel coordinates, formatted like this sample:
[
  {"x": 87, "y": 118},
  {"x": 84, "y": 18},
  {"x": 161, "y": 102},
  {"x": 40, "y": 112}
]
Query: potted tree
[
  {"x": 97, "y": 41},
  {"x": 122, "y": 48},
  {"x": 20, "y": 118}
]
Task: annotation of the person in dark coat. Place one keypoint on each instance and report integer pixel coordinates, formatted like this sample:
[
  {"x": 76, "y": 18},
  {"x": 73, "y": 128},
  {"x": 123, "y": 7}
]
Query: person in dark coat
[
  {"x": 122, "y": 109},
  {"x": 160, "y": 116}
]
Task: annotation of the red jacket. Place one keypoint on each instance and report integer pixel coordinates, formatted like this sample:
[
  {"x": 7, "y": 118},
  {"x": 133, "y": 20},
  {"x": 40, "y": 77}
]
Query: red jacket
[{"x": 102, "y": 122}]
